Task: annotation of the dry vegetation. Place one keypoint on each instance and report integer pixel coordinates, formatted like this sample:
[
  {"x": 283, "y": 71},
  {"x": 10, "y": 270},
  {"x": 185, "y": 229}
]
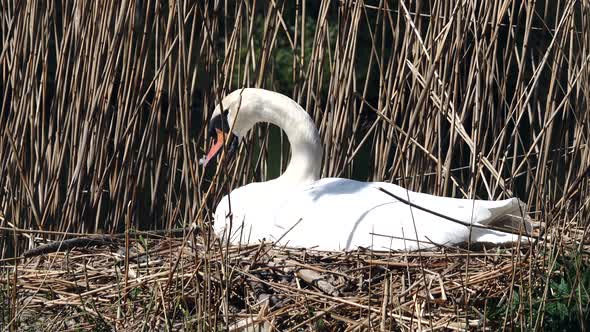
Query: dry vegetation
[{"x": 103, "y": 107}]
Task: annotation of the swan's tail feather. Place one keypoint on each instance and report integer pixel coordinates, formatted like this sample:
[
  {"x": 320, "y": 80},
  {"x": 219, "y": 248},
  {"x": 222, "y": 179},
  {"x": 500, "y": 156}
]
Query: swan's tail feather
[{"x": 512, "y": 216}]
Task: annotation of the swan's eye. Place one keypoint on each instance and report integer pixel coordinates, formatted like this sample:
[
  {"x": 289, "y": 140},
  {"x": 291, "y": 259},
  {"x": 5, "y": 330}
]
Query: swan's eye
[
  {"x": 218, "y": 131},
  {"x": 218, "y": 122}
]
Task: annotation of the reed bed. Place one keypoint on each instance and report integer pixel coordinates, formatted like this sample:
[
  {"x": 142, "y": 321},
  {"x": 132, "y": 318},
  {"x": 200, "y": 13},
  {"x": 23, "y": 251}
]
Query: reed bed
[
  {"x": 262, "y": 288},
  {"x": 103, "y": 113}
]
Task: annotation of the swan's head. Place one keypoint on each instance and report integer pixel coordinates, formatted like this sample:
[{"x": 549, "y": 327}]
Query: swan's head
[
  {"x": 223, "y": 126},
  {"x": 220, "y": 133}
]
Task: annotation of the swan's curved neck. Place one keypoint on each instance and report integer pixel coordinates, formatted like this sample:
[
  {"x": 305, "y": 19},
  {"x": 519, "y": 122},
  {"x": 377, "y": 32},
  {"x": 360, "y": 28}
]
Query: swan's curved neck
[{"x": 306, "y": 148}]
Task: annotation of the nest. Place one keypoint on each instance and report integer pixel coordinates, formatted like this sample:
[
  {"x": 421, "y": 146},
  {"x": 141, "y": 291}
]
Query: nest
[{"x": 170, "y": 282}]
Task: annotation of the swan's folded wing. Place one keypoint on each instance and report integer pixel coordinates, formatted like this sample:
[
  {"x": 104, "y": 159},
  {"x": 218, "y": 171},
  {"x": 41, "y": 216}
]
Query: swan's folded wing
[{"x": 334, "y": 214}]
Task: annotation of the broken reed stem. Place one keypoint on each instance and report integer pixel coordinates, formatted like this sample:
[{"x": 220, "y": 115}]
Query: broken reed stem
[{"x": 104, "y": 108}]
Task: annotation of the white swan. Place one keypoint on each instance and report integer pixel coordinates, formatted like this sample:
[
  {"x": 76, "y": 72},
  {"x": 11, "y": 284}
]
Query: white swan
[{"x": 299, "y": 209}]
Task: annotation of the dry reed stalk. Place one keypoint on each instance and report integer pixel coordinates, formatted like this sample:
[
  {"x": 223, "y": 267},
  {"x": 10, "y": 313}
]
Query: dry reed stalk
[{"x": 104, "y": 106}]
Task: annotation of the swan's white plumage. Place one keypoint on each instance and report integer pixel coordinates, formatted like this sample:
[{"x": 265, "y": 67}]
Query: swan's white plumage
[
  {"x": 334, "y": 214},
  {"x": 299, "y": 209}
]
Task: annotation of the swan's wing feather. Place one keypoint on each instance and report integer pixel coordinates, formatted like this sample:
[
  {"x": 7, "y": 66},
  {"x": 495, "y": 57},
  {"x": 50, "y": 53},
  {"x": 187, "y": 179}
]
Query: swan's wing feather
[{"x": 345, "y": 214}]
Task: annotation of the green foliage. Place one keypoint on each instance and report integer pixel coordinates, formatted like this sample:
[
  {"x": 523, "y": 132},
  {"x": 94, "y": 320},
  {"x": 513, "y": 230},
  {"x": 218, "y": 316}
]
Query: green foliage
[
  {"x": 566, "y": 305},
  {"x": 557, "y": 309},
  {"x": 568, "y": 301},
  {"x": 320, "y": 325},
  {"x": 134, "y": 293},
  {"x": 279, "y": 72},
  {"x": 4, "y": 306}
]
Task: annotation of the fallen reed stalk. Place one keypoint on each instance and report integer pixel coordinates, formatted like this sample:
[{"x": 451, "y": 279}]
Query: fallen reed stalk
[{"x": 103, "y": 113}]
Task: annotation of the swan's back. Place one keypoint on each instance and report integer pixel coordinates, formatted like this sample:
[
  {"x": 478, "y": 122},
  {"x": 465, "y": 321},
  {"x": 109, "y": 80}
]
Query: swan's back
[{"x": 334, "y": 214}]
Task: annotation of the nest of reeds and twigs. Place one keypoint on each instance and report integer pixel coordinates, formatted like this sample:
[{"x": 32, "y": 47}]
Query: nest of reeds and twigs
[
  {"x": 103, "y": 114},
  {"x": 171, "y": 282}
]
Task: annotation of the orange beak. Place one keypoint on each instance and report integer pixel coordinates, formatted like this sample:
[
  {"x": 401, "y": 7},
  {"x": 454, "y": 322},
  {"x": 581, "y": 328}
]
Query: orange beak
[{"x": 217, "y": 146}]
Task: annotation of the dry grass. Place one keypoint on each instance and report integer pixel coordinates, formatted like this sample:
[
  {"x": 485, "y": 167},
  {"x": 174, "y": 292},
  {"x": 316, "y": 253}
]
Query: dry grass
[
  {"x": 263, "y": 287},
  {"x": 102, "y": 113}
]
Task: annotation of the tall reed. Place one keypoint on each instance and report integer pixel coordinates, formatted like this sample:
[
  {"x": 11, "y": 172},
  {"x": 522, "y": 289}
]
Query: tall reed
[{"x": 104, "y": 105}]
